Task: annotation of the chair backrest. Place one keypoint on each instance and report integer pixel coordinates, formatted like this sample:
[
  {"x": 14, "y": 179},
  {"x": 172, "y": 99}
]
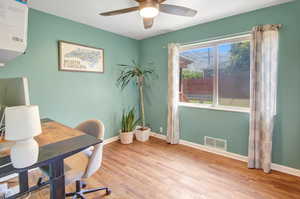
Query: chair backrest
[{"x": 94, "y": 128}]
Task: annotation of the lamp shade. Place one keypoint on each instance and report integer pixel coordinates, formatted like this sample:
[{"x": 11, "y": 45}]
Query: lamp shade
[{"x": 22, "y": 122}]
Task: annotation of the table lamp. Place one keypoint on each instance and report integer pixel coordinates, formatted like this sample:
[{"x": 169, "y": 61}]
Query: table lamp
[{"x": 22, "y": 123}]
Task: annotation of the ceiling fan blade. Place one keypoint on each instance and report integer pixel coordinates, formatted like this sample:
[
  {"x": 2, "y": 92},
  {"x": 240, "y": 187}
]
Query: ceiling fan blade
[
  {"x": 118, "y": 12},
  {"x": 177, "y": 10},
  {"x": 148, "y": 22}
]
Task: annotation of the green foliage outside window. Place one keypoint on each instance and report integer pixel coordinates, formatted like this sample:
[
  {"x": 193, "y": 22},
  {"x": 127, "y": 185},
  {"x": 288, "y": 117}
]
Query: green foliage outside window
[
  {"x": 239, "y": 58},
  {"x": 187, "y": 74}
]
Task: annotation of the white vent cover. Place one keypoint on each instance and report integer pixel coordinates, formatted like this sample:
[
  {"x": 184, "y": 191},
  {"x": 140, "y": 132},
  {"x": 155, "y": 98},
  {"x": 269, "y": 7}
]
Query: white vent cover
[{"x": 216, "y": 143}]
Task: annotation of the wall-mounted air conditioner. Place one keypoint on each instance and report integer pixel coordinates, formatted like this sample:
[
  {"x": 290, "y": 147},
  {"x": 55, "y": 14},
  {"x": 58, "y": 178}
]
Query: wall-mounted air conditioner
[{"x": 13, "y": 29}]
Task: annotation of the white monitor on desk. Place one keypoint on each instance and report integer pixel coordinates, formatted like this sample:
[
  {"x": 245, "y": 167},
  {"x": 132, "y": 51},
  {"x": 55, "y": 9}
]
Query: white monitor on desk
[{"x": 13, "y": 92}]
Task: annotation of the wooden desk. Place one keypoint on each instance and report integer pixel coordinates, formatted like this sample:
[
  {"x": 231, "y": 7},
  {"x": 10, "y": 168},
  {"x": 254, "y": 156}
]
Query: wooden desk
[
  {"x": 56, "y": 142},
  {"x": 52, "y": 132}
]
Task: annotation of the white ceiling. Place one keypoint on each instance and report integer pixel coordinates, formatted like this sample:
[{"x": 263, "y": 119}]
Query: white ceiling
[{"x": 130, "y": 25}]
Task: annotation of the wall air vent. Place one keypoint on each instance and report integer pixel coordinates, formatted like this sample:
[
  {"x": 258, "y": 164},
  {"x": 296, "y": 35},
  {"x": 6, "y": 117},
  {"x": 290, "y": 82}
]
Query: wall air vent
[{"x": 219, "y": 144}]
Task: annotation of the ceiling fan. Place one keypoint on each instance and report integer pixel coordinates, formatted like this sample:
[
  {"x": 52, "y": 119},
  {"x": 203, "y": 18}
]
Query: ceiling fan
[{"x": 150, "y": 8}]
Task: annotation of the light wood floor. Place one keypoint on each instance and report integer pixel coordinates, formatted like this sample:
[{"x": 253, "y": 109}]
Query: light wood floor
[{"x": 156, "y": 170}]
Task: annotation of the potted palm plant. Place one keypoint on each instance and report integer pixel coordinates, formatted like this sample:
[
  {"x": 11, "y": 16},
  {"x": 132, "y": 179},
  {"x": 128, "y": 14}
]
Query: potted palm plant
[
  {"x": 129, "y": 123},
  {"x": 137, "y": 74}
]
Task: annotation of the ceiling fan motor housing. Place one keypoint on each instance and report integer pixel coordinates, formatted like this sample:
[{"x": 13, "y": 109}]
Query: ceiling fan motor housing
[{"x": 149, "y": 3}]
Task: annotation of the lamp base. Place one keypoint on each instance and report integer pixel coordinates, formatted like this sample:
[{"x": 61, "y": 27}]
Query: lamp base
[{"x": 24, "y": 153}]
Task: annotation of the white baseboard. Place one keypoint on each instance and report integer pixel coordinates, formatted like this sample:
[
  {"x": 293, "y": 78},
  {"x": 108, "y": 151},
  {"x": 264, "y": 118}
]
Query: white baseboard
[
  {"x": 285, "y": 169},
  {"x": 110, "y": 140},
  {"x": 212, "y": 150},
  {"x": 276, "y": 167},
  {"x": 159, "y": 136}
]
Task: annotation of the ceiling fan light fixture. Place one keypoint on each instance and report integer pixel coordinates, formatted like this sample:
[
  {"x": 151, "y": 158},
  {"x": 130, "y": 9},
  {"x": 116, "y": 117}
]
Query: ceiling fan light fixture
[
  {"x": 149, "y": 8},
  {"x": 149, "y": 12}
]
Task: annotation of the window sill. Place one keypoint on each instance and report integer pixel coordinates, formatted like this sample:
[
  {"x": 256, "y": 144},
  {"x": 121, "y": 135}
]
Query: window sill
[{"x": 219, "y": 108}]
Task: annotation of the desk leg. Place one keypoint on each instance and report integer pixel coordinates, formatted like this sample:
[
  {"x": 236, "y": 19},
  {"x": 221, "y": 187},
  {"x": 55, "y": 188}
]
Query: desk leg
[
  {"x": 23, "y": 181},
  {"x": 57, "y": 180}
]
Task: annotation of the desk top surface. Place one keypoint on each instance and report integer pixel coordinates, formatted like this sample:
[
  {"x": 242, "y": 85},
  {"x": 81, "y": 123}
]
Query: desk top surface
[
  {"x": 55, "y": 141},
  {"x": 52, "y": 132}
]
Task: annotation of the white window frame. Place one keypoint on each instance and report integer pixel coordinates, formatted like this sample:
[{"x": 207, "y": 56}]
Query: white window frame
[{"x": 214, "y": 44}]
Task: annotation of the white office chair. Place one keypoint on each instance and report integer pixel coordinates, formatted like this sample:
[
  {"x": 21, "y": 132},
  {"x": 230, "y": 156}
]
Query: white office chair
[{"x": 84, "y": 164}]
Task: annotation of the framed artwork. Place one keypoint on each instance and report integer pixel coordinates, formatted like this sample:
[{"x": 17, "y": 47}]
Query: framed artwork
[{"x": 79, "y": 58}]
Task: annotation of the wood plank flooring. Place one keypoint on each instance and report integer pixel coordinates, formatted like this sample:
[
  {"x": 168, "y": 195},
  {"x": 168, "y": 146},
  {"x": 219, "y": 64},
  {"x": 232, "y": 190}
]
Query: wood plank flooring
[{"x": 156, "y": 170}]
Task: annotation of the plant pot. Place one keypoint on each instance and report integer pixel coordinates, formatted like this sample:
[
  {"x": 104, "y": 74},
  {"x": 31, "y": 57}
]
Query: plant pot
[
  {"x": 142, "y": 135},
  {"x": 126, "y": 137}
]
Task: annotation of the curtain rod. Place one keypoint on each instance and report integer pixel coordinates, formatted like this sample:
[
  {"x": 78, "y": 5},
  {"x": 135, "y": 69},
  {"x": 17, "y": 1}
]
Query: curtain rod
[
  {"x": 211, "y": 38},
  {"x": 269, "y": 26},
  {"x": 215, "y": 38}
]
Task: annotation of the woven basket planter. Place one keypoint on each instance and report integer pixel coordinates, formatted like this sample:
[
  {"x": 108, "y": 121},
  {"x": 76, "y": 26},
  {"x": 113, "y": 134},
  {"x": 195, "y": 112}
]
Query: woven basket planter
[
  {"x": 126, "y": 137},
  {"x": 142, "y": 135}
]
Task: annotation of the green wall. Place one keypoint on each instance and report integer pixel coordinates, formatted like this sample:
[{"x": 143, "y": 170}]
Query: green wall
[
  {"x": 197, "y": 123},
  {"x": 72, "y": 97}
]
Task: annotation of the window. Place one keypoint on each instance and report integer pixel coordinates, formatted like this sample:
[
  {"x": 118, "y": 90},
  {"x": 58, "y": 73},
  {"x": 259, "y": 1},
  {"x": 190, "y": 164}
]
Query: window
[{"x": 216, "y": 73}]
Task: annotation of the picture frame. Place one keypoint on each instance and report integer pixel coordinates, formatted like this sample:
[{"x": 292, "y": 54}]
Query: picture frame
[{"x": 75, "y": 57}]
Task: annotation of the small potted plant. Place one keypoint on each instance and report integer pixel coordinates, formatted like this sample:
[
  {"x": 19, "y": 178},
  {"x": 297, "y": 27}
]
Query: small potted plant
[
  {"x": 137, "y": 74},
  {"x": 129, "y": 123}
]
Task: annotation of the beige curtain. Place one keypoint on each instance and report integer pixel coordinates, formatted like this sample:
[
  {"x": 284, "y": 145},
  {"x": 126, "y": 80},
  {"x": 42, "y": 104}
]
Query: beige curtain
[
  {"x": 263, "y": 95},
  {"x": 173, "y": 133}
]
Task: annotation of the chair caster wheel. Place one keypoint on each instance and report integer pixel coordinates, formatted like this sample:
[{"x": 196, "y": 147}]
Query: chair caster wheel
[{"x": 108, "y": 191}]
